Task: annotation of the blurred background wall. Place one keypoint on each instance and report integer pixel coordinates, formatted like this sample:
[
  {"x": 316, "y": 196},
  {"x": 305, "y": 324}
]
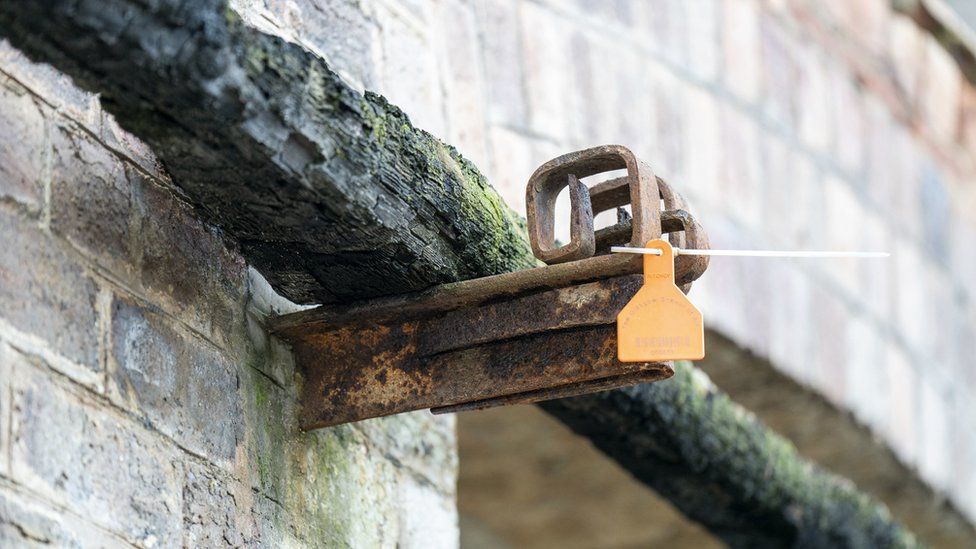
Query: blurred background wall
[{"x": 803, "y": 124}]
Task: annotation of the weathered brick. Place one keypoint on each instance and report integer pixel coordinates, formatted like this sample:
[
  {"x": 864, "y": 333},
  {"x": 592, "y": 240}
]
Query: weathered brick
[
  {"x": 967, "y": 120},
  {"x": 54, "y": 86},
  {"x": 902, "y": 405},
  {"x": 864, "y": 367},
  {"x": 875, "y": 276},
  {"x": 780, "y": 190},
  {"x": 24, "y": 146},
  {"x": 869, "y": 22},
  {"x": 545, "y": 56},
  {"x": 341, "y": 31},
  {"x": 419, "y": 527},
  {"x": 780, "y": 72},
  {"x": 703, "y": 152},
  {"x": 6, "y": 364},
  {"x": 907, "y": 50},
  {"x": 668, "y": 24},
  {"x": 741, "y": 175},
  {"x": 791, "y": 342},
  {"x": 71, "y": 449},
  {"x": 25, "y": 521},
  {"x": 848, "y": 113},
  {"x": 498, "y": 20},
  {"x": 841, "y": 206},
  {"x": 741, "y": 45},
  {"x": 940, "y": 91},
  {"x": 181, "y": 385},
  {"x": 420, "y": 442},
  {"x": 217, "y": 511},
  {"x": 936, "y": 439},
  {"x": 465, "y": 99},
  {"x": 408, "y": 75},
  {"x": 933, "y": 204},
  {"x": 830, "y": 319},
  {"x": 704, "y": 47},
  {"x": 669, "y": 118},
  {"x": 91, "y": 201},
  {"x": 511, "y": 165},
  {"x": 186, "y": 267},
  {"x": 913, "y": 314},
  {"x": 47, "y": 300}
]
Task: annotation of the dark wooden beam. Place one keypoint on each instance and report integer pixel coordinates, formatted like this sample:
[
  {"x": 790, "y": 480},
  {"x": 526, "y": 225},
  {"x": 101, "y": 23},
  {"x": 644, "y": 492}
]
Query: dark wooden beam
[{"x": 335, "y": 196}]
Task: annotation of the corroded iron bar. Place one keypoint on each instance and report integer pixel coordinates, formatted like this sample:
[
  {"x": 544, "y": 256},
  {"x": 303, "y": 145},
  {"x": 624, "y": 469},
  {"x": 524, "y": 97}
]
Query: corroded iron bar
[{"x": 545, "y": 342}]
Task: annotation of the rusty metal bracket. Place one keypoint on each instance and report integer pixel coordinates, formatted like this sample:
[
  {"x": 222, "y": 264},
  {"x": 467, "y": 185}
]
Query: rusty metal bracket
[{"x": 526, "y": 336}]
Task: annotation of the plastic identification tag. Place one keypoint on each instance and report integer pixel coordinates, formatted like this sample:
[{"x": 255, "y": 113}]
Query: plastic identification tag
[{"x": 660, "y": 323}]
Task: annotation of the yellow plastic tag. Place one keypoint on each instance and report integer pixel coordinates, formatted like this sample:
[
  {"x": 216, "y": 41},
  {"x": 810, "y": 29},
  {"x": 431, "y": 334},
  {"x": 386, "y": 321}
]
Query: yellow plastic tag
[{"x": 660, "y": 323}]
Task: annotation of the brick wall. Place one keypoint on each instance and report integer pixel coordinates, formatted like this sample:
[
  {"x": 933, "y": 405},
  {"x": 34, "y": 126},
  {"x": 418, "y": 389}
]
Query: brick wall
[
  {"x": 141, "y": 402},
  {"x": 787, "y": 123}
]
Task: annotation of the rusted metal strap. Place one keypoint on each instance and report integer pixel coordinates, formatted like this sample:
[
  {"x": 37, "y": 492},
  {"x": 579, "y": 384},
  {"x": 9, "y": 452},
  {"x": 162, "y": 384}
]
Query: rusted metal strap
[{"x": 517, "y": 337}]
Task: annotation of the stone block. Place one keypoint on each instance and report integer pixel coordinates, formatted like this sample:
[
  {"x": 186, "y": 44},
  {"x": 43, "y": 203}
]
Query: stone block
[
  {"x": 48, "y": 302},
  {"x": 742, "y": 170},
  {"x": 91, "y": 203},
  {"x": 866, "y": 390},
  {"x": 545, "y": 55},
  {"x": 847, "y": 108},
  {"x": 428, "y": 520},
  {"x": 669, "y": 120},
  {"x": 703, "y": 25},
  {"x": 841, "y": 207},
  {"x": 26, "y": 521},
  {"x": 903, "y": 382},
  {"x": 814, "y": 119},
  {"x": 933, "y": 202},
  {"x": 343, "y": 32},
  {"x": 940, "y": 91},
  {"x": 914, "y": 317},
  {"x": 703, "y": 151},
  {"x": 186, "y": 267},
  {"x": 56, "y": 88},
  {"x": 935, "y": 444},
  {"x": 73, "y": 450},
  {"x": 498, "y": 21},
  {"x": 781, "y": 72},
  {"x": 906, "y": 48},
  {"x": 511, "y": 166},
  {"x": 24, "y": 147},
  {"x": 218, "y": 511},
  {"x": 465, "y": 87},
  {"x": 409, "y": 76},
  {"x": 179, "y": 383},
  {"x": 742, "y": 46},
  {"x": 421, "y": 443}
]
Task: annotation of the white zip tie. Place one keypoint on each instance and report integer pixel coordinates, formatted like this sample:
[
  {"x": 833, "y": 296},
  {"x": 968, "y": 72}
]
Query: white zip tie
[{"x": 751, "y": 253}]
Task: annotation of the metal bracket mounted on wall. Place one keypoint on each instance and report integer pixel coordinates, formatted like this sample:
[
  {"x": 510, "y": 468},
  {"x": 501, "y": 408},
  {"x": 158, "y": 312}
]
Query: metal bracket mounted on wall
[{"x": 518, "y": 337}]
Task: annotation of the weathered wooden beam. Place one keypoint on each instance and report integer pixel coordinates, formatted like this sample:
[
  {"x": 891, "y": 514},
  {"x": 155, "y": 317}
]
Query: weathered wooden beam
[
  {"x": 331, "y": 194},
  {"x": 721, "y": 466},
  {"x": 334, "y": 196}
]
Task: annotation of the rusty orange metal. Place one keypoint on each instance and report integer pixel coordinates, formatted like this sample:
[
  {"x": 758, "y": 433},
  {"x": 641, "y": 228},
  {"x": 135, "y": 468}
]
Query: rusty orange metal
[{"x": 538, "y": 334}]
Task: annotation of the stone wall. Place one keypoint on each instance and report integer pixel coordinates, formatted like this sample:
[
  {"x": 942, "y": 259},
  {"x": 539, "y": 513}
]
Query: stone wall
[
  {"x": 141, "y": 401},
  {"x": 787, "y": 123}
]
